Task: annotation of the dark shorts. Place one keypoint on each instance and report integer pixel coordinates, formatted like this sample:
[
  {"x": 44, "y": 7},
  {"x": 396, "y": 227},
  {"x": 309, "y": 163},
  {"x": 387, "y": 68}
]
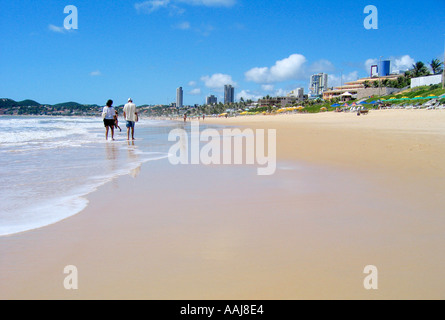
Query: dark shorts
[
  {"x": 131, "y": 124},
  {"x": 109, "y": 123}
]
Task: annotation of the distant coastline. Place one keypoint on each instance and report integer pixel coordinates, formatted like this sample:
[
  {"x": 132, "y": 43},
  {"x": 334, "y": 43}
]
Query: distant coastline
[{"x": 415, "y": 97}]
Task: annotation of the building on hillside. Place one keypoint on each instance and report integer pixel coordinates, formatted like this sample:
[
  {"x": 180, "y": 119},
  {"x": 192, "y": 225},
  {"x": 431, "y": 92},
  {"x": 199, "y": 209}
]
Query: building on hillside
[
  {"x": 426, "y": 81},
  {"x": 357, "y": 88}
]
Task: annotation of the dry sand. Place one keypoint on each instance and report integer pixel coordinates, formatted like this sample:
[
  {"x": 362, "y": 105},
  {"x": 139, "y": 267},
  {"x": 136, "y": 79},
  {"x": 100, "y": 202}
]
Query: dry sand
[{"x": 349, "y": 192}]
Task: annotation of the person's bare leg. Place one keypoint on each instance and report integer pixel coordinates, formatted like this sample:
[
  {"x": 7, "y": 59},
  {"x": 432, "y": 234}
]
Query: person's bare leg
[
  {"x": 128, "y": 134},
  {"x": 132, "y": 133},
  {"x": 112, "y": 133},
  {"x": 106, "y": 133}
]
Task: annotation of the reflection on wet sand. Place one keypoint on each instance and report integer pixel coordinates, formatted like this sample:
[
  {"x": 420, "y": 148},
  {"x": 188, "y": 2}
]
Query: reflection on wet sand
[
  {"x": 133, "y": 156},
  {"x": 112, "y": 154}
]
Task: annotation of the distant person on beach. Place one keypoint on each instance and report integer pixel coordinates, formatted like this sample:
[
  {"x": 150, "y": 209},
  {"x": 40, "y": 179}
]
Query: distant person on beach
[
  {"x": 109, "y": 115},
  {"x": 185, "y": 117},
  {"x": 117, "y": 122},
  {"x": 131, "y": 116}
]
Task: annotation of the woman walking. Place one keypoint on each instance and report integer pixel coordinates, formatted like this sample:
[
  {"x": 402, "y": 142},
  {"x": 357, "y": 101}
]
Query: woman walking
[{"x": 109, "y": 115}]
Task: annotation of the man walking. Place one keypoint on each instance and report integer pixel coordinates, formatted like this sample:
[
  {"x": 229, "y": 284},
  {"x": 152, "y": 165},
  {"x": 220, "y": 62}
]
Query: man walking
[{"x": 131, "y": 116}]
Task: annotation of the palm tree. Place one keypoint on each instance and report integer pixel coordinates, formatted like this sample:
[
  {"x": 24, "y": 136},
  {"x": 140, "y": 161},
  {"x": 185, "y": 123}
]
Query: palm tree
[
  {"x": 420, "y": 69},
  {"x": 436, "y": 66}
]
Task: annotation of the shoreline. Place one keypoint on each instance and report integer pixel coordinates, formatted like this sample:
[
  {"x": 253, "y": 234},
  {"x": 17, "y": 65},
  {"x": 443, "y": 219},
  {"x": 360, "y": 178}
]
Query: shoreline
[{"x": 344, "y": 196}]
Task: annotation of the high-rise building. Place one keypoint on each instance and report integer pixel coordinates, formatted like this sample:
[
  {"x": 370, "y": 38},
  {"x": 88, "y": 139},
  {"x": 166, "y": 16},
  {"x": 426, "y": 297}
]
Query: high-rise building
[
  {"x": 229, "y": 94},
  {"x": 319, "y": 84},
  {"x": 179, "y": 97},
  {"x": 297, "y": 93},
  {"x": 211, "y": 100}
]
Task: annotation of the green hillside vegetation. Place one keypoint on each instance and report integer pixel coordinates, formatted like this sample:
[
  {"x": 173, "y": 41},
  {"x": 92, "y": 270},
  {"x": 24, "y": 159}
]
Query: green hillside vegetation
[
  {"x": 31, "y": 107},
  {"x": 8, "y": 103},
  {"x": 425, "y": 91},
  {"x": 28, "y": 103}
]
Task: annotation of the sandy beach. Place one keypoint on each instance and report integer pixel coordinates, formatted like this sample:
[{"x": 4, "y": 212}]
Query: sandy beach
[{"x": 348, "y": 192}]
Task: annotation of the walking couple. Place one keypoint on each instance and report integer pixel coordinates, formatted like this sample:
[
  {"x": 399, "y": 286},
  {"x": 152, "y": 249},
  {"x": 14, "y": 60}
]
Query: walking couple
[{"x": 110, "y": 118}]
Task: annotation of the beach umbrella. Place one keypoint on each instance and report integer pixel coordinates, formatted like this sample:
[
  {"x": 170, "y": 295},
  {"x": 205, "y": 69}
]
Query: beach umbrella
[
  {"x": 335, "y": 105},
  {"x": 363, "y": 102}
]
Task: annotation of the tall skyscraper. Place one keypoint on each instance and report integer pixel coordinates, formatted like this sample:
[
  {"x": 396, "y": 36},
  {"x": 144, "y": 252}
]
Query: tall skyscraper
[
  {"x": 319, "y": 83},
  {"x": 229, "y": 94},
  {"x": 179, "y": 97}
]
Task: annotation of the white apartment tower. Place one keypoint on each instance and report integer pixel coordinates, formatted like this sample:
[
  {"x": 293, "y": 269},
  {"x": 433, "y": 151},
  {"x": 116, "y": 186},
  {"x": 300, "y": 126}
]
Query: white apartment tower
[
  {"x": 319, "y": 84},
  {"x": 179, "y": 97}
]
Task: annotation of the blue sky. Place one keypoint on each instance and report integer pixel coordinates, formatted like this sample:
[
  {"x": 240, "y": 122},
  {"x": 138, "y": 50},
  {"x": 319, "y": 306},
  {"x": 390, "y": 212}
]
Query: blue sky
[{"x": 146, "y": 49}]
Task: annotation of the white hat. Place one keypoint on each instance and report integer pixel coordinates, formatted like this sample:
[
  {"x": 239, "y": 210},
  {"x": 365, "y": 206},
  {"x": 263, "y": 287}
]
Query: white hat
[{"x": 129, "y": 99}]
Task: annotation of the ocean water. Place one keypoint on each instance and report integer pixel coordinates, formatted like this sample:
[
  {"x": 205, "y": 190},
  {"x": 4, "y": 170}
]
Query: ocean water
[{"x": 49, "y": 164}]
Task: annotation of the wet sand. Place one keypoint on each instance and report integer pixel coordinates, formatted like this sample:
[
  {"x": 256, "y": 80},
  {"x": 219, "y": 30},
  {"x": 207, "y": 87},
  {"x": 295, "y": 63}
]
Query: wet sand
[{"x": 348, "y": 192}]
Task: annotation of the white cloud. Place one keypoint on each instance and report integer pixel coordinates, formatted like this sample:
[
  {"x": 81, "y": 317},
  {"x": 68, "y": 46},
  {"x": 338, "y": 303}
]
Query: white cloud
[
  {"x": 281, "y": 93},
  {"x": 335, "y": 81},
  {"x": 248, "y": 95},
  {"x": 95, "y": 73},
  {"x": 401, "y": 64},
  {"x": 369, "y": 63},
  {"x": 183, "y": 26},
  {"x": 192, "y": 84},
  {"x": 291, "y": 68},
  {"x": 151, "y": 5},
  {"x": 322, "y": 65},
  {"x": 210, "y": 3},
  {"x": 57, "y": 29},
  {"x": 268, "y": 87},
  {"x": 217, "y": 81},
  {"x": 205, "y": 30},
  {"x": 195, "y": 92}
]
